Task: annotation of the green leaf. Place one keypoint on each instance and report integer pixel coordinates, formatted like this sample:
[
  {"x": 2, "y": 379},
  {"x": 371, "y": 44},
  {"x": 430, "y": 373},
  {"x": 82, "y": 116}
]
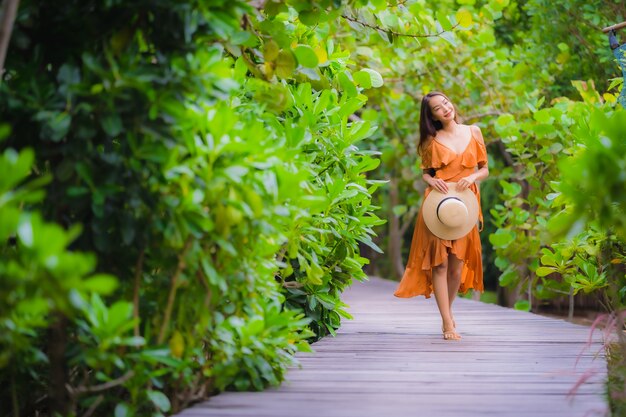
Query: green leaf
[
  {"x": 315, "y": 274},
  {"x": 122, "y": 410},
  {"x": 309, "y": 17},
  {"x": 112, "y": 124},
  {"x": 368, "y": 242},
  {"x": 352, "y": 105},
  {"x": 522, "y": 305},
  {"x": 272, "y": 8},
  {"x": 502, "y": 238},
  {"x": 508, "y": 277},
  {"x": 399, "y": 210},
  {"x": 270, "y": 50},
  {"x": 379, "y": 4},
  {"x": 368, "y": 78},
  {"x": 5, "y": 130},
  {"x": 543, "y": 271},
  {"x": 347, "y": 85},
  {"x": 363, "y": 79},
  {"x": 444, "y": 20},
  {"x": 159, "y": 399},
  {"x": 100, "y": 283},
  {"x": 548, "y": 258},
  {"x": 511, "y": 189},
  {"x": 486, "y": 37},
  {"x": 306, "y": 56},
  {"x": 285, "y": 64},
  {"x": 543, "y": 116},
  {"x": 25, "y": 231}
]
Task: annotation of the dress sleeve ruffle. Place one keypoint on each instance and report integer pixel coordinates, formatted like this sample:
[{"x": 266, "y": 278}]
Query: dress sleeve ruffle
[
  {"x": 436, "y": 156},
  {"x": 476, "y": 155},
  {"x": 481, "y": 154}
]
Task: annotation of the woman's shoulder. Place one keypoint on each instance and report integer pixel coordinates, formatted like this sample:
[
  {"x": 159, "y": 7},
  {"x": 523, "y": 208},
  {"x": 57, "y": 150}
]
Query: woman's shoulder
[{"x": 476, "y": 133}]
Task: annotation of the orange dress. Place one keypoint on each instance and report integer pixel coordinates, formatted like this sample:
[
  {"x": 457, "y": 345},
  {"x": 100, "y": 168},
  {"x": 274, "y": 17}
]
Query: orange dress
[{"x": 427, "y": 250}]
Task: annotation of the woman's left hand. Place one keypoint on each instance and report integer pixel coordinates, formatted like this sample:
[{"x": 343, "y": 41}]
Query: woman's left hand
[{"x": 463, "y": 183}]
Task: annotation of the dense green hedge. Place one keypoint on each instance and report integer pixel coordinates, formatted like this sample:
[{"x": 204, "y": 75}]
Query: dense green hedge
[{"x": 201, "y": 220}]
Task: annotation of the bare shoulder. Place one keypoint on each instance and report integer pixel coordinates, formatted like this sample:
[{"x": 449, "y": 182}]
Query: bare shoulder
[{"x": 476, "y": 132}]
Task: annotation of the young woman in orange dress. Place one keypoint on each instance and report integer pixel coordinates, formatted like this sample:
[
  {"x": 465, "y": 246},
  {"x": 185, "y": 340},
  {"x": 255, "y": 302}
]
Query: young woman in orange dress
[{"x": 453, "y": 155}]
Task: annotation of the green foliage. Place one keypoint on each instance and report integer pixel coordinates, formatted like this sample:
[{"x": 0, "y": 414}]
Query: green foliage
[
  {"x": 213, "y": 169},
  {"x": 566, "y": 211},
  {"x": 559, "y": 49},
  {"x": 42, "y": 279},
  {"x": 600, "y": 160}
]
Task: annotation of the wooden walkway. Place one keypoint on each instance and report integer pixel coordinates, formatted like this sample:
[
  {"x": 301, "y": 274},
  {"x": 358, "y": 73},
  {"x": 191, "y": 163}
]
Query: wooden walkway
[{"x": 391, "y": 361}]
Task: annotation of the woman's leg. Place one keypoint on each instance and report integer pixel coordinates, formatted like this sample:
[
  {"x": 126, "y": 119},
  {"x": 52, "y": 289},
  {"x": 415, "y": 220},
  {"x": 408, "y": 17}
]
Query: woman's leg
[
  {"x": 455, "y": 268},
  {"x": 440, "y": 288}
]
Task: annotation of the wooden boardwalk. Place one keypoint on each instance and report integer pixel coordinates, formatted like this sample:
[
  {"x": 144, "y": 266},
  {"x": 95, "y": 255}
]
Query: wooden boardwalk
[{"x": 391, "y": 361}]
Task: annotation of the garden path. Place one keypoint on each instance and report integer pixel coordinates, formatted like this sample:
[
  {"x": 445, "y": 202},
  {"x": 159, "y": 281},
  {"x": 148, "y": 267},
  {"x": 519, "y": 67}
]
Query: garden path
[{"x": 391, "y": 361}]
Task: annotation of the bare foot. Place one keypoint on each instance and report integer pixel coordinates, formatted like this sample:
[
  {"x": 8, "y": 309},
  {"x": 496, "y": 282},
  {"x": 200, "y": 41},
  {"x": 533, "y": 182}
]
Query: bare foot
[{"x": 449, "y": 332}]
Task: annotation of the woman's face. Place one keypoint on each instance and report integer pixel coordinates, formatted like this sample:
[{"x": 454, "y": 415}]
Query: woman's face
[{"x": 441, "y": 109}]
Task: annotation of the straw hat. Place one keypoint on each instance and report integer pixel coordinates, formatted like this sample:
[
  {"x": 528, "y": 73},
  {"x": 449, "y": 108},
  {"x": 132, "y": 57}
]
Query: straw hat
[{"x": 450, "y": 216}]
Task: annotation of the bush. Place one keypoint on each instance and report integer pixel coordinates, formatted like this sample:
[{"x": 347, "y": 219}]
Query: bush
[{"x": 202, "y": 222}]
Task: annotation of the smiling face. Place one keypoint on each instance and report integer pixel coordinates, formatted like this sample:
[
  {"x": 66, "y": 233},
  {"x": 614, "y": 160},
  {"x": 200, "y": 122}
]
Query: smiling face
[
  {"x": 441, "y": 109},
  {"x": 436, "y": 112}
]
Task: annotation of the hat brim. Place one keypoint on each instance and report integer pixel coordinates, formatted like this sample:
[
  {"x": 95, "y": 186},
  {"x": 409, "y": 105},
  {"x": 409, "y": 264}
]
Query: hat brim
[{"x": 439, "y": 229}]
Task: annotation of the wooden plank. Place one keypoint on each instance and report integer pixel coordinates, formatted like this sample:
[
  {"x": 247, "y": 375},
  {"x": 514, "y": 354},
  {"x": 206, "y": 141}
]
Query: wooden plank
[{"x": 392, "y": 361}]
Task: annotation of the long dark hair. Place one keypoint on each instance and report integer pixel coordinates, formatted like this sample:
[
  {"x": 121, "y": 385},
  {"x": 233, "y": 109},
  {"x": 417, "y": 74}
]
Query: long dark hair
[{"x": 428, "y": 126}]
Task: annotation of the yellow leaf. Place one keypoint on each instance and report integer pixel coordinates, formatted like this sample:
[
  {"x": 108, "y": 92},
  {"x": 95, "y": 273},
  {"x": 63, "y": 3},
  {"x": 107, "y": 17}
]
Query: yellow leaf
[
  {"x": 177, "y": 345},
  {"x": 322, "y": 55},
  {"x": 285, "y": 64},
  {"x": 464, "y": 17},
  {"x": 269, "y": 70},
  {"x": 562, "y": 58},
  {"x": 270, "y": 51},
  {"x": 608, "y": 97}
]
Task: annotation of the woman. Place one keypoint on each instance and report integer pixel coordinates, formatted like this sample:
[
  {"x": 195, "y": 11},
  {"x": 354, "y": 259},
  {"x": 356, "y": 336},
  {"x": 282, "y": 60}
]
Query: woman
[{"x": 453, "y": 155}]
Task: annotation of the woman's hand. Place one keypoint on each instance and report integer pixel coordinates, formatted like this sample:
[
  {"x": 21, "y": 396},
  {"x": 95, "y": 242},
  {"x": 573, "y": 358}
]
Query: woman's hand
[
  {"x": 439, "y": 185},
  {"x": 463, "y": 183}
]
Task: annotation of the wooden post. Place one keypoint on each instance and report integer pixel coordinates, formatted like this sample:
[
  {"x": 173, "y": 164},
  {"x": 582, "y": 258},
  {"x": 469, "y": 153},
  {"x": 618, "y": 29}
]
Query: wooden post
[
  {"x": 614, "y": 27},
  {"x": 9, "y": 10}
]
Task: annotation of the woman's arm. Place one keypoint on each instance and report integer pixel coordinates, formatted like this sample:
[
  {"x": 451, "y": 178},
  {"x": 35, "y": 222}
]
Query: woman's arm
[
  {"x": 437, "y": 183},
  {"x": 479, "y": 175}
]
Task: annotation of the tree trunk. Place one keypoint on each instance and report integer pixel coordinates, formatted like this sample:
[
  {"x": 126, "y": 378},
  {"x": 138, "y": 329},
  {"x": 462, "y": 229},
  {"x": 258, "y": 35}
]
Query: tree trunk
[
  {"x": 395, "y": 236},
  {"x": 507, "y": 296},
  {"x": 59, "y": 399},
  {"x": 9, "y": 10}
]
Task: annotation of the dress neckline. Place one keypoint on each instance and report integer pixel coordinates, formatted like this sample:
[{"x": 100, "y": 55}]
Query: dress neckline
[{"x": 454, "y": 152}]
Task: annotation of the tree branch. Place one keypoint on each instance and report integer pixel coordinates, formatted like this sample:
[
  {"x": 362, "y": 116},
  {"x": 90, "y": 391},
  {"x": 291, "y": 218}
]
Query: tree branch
[
  {"x": 173, "y": 286},
  {"x": 391, "y": 32},
  {"x": 412, "y": 212},
  {"x": 481, "y": 115},
  {"x": 102, "y": 387},
  {"x": 508, "y": 159},
  {"x": 93, "y": 406},
  {"x": 138, "y": 275}
]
